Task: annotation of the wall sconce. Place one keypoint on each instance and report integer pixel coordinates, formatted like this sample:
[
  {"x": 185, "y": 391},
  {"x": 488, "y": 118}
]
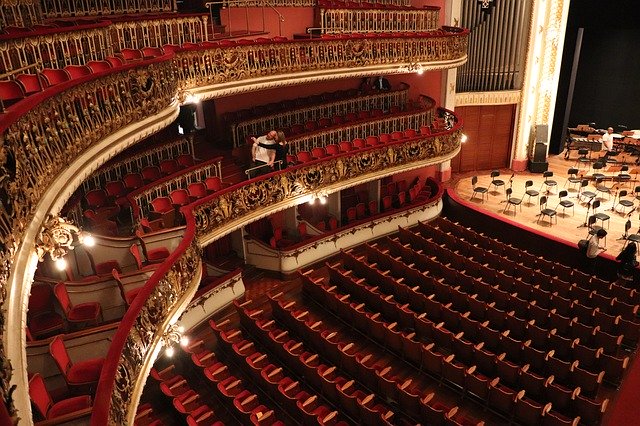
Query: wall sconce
[
  {"x": 173, "y": 336},
  {"x": 57, "y": 237},
  {"x": 322, "y": 198},
  {"x": 463, "y": 138}
]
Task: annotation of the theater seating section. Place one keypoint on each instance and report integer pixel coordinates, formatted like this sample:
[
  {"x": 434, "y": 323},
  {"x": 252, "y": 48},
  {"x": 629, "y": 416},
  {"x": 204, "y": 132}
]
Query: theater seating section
[{"x": 436, "y": 324}]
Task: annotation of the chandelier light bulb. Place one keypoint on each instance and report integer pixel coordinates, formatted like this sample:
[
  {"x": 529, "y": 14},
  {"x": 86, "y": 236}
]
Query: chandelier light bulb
[
  {"x": 323, "y": 200},
  {"x": 184, "y": 341},
  {"x": 169, "y": 351},
  {"x": 463, "y": 138},
  {"x": 89, "y": 240}
]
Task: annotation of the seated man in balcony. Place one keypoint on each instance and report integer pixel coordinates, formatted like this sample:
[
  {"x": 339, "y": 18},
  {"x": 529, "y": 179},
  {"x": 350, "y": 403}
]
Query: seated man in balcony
[
  {"x": 262, "y": 157},
  {"x": 381, "y": 83}
]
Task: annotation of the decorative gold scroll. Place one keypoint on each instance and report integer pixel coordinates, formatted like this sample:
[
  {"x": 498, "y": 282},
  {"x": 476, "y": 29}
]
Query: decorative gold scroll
[{"x": 65, "y": 8}]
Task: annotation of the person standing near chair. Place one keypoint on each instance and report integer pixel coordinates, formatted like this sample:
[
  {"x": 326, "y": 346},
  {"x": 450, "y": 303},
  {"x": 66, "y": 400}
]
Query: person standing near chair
[
  {"x": 262, "y": 156},
  {"x": 607, "y": 142},
  {"x": 281, "y": 148},
  {"x": 628, "y": 263},
  {"x": 594, "y": 249}
]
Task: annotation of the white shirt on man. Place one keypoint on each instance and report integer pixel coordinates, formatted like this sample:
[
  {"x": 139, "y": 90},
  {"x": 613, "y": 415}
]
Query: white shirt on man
[
  {"x": 607, "y": 141},
  {"x": 263, "y": 154}
]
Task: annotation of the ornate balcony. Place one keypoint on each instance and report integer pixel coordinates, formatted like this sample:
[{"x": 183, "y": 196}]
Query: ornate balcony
[{"x": 53, "y": 140}]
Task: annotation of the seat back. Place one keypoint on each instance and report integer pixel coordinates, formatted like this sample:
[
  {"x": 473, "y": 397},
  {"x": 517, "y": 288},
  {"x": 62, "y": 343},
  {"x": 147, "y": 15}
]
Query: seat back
[
  {"x": 60, "y": 291},
  {"x": 39, "y": 395},
  {"x": 40, "y": 299},
  {"x": 98, "y": 66},
  {"x": 10, "y": 92},
  {"x": 133, "y": 181},
  {"x": 161, "y": 204},
  {"x": 55, "y": 76},
  {"x": 76, "y": 71},
  {"x": 31, "y": 83},
  {"x": 59, "y": 354},
  {"x": 115, "y": 188},
  {"x": 135, "y": 252}
]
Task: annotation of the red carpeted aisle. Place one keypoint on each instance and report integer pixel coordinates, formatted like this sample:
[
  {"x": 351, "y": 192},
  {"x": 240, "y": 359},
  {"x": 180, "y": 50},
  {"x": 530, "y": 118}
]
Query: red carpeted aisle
[{"x": 625, "y": 410}]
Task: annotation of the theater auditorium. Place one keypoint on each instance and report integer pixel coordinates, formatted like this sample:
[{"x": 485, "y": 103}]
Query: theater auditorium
[{"x": 334, "y": 212}]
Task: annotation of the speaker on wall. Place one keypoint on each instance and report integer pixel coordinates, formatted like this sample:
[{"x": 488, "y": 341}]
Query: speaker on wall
[{"x": 542, "y": 133}]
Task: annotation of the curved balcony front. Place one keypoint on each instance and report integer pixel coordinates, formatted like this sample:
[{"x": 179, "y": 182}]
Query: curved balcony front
[{"x": 53, "y": 140}]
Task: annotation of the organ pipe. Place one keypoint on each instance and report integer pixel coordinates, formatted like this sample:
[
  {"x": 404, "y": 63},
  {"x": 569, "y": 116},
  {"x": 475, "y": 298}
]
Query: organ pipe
[{"x": 496, "y": 46}]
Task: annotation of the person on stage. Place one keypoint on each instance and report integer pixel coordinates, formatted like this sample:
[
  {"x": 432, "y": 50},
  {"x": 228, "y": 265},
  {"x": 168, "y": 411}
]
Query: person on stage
[{"x": 607, "y": 142}]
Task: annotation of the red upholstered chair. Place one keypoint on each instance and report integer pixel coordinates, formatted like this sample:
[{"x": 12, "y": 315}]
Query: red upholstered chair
[
  {"x": 131, "y": 54},
  {"x": 153, "y": 255},
  {"x": 31, "y": 83},
  {"x": 346, "y": 146},
  {"x": 373, "y": 207},
  {"x": 213, "y": 184},
  {"x": 359, "y": 143},
  {"x": 55, "y": 76},
  {"x": 409, "y": 133},
  {"x": 114, "y": 61},
  {"x": 396, "y": 136},
  {"x": 385, "y": 138},
  {"x": 361, "y": 211},
  {"x": 42, "y": 318},
  {"x": 152, "y": 52},
  {"x": 10, "y": 93},
  {"x": 197, "y": 190},
  {"x": 99, "y": 66},
  {"x": 151, "y": 173},
  {"x": 90, "y": 312},
  {"x": 47, "y": 409},
  {"x": 77, "y": 71},
  {"x": 318, "y": 152},
  {"x": 117, "y": 191},
  {"x": 304, "y": 156},
  {"x": 133, "y": 181},
  {"x": 387, "y": 203},
  {"x": 333, "y": 223},
  {"x": 372, "y": 141},
  {"x": 79, "y": 374},
  {"x": 103, "y": 268},
  {"x": 333, "y": 149},
  {"x": 134, "y": 249},
  {"x": 352, "y": 214},
  {"x": 99, "y": 224},
  {"x": 127, "y": 295},
  {"x": 169, "y": 167},
  {"x": 185, "y": 160},
  {"x": 162, "y": 208},
  {"x": 179, "y": 198}
]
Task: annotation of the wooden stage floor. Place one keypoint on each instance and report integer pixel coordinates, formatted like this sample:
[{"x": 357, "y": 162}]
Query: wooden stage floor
[{"x": 569, "y": 225}]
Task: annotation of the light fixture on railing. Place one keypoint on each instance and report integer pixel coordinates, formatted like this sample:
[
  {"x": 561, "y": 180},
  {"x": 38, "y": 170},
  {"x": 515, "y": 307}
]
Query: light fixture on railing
[
  {"x": 57, "y": 237},
  {"x": 185, "y": 97},
  {"x": 412, "y": 67},
  {"x": 174, "y": 336}
]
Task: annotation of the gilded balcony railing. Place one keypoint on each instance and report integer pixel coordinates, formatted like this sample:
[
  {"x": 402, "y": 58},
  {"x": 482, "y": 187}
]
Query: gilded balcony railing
[
  {"x": 240, "y": 130},
  {"x": 135, "y": 163},
  {"x": 65, "y": 8},
  {"x": 45, "y": 133},
  {"x": 234, "y": 63},
  {"x": 385, "y": 124},
  {"x": 21, "y": 13},
  {"x": 336, "y": 21},
  {"x": 160, "y": 31},
  {"x": 55, "y": 47}
]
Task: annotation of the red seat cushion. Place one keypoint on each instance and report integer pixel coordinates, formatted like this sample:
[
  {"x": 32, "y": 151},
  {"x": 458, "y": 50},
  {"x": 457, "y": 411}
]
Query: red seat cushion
[
  {"x": 85, "y": 371},
  {"x": 84, "y": 311},
  {"x": 156, "y": 254},
  {"x": 105, "y": 268},
  {"x": 69, "y": 405},
  {"x": 45, "y": 323}
]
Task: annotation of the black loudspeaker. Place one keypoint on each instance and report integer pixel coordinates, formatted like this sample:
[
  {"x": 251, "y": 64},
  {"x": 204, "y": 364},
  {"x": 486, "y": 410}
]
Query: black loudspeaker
[
  {"x": 538, "y": 166},
  {"x": 542, "y": 133},
  {"x": 540, "y": 152}
]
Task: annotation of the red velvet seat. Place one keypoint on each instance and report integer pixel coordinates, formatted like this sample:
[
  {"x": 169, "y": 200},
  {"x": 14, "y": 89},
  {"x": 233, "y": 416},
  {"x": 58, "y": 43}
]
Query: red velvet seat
[
  {"x": 188, "y": 402},
  {"x": 127, "y": 295},
  {"x": 169, "y": 167},
  {"x": 318, "y": 152},
  {"x": 99, "y": 66},
  {"x": 152, "y": 52},
  {"x": 151, "y": 174},
  {"x": 213, "y": 184},
  {"x": 88, "y": 312},
  {"x": 346, "y": 146},
  {"x": 46, "y": 408},
  {"x": 42, "y": 319},
  {"x": 79, "y": 374},
  {"x": 359, "y": 143},
  {"x": 304, "y": 156},
  {"x": 55, "y": 76},
  {"x": 131, "y": 55},
  {"x": 10, "y": 93},
  {"x": 77, "y": 71},
  {"x": 179, "y": 198},
  {"x": 133, "y": 181},
  {"x": 115, "y": 61},
  {"x": 31, "y": 83},
  {"x": 162, "y": 208}
]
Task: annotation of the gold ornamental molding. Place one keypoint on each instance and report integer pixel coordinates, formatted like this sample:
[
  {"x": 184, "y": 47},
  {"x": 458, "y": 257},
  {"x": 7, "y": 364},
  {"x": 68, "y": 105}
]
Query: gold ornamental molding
[{"x": 505, "y": 97}]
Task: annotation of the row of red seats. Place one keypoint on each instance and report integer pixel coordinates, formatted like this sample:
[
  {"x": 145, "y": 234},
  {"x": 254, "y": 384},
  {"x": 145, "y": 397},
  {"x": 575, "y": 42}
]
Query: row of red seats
[
  {"x": 544, "y": 327},
  {"x": 324, "y": 370},
  {"x": 551, "y": 269},
  {"x": 186, "y": 401},
  {"x": 164, "y": 210},
  {"x": 607, "y": 307},
  {"x": 478, "y": 380},
  {"x": 270, "y": 375},
  {"x": 376, "y": 375},
  {"x": 50, "y": 25},
  {"x": 506, "y": 331}
]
